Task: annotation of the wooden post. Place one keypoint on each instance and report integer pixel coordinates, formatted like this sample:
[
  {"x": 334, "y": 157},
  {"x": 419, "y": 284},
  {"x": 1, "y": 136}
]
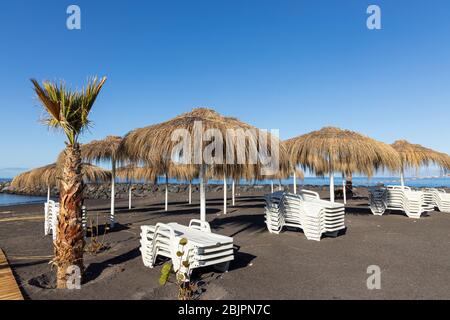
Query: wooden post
[
  {"x": 232, "y": 193},
  {"x": 402, "y": 178},
  {"x": 331, "y": 186},
  {"x": 295, "y": 182},
  {"x": 190, "y": 192},
  {"x": 167, "y": 194},
  {"x": 112, "y": 220},
  {"x": 224, "y": 195},
  {"x": 202, "y": 193},
  {"x": 129, "y": 197},
  {"x": 344, "y": 189}
]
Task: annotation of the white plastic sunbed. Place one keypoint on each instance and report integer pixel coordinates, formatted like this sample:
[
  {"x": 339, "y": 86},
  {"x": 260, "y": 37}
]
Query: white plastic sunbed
[
  {"x": 439, "y": 199},
  {"x": 413, "y": 203},
  {"x": 305, "y": 211},
  {"x": 203, "y": 247},
  {"x": 274, "y": 219},
  {"x": 51, "y": 211}
]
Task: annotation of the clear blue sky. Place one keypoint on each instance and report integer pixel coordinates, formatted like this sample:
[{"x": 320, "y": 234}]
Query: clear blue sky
[{"x": 293, "y": 65}]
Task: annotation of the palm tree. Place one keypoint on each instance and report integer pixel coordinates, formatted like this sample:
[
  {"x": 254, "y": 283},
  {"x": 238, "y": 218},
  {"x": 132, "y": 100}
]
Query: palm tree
[{"x": 69, "y": 110}]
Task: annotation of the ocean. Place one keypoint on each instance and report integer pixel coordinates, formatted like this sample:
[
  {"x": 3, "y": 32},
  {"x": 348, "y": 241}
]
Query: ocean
[
  {"x": 430, "y": 182},
  {"x": 442, "y": 182},
  {"x": 12, "y": 199}
]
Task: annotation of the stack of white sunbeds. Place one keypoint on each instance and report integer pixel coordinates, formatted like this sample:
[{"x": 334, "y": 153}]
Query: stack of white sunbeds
[
  {"x": 51, "y": 210},
  {"x": 439, "y": 199},
  {"x": 306, "y": 211},
  {"x": 413, "y": 203},
  {"x": 377, "y": 200},
  {"x": 51, "y": 218},
  {"x": 203, "y": 247},
  {"x": 274, "y": 219}
]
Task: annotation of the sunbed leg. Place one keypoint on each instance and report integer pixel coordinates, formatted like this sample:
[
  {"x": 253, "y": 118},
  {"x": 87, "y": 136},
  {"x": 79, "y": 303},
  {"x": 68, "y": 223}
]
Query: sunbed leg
[
  {"x": 222, "y": 267},
  {"x": 333, "y": 234}
]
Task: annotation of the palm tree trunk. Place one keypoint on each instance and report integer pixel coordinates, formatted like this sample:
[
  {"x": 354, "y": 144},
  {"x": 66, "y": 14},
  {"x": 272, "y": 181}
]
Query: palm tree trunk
[{"x": 69, "y": 243}]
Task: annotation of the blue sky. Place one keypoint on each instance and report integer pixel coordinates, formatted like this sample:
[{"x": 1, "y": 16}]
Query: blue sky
[{"x": 292, "y": 65}]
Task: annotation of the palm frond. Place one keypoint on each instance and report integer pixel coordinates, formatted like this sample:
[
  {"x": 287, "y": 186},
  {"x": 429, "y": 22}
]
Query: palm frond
[{"x": 66, "y": 109}]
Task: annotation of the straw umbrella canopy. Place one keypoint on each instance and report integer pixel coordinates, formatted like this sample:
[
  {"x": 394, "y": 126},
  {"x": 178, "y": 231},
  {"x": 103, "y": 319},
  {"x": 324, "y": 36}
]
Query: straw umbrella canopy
[
  {"x": 128, "y": 172},
  {"x": 447, "y": 162},
  {"x": 50, "y": 175},
  {"x": 416, "y": 156},
  {"x": 331, "y": 150},
  {"x": 38, "y": 177},
  {"x": 155, "y": 145},
  {"x": 104, "y": 150}
]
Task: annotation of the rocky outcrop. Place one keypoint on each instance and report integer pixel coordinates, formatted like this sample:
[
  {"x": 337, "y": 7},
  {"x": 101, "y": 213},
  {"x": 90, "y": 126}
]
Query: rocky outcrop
[{"x": 5, "y": 187}]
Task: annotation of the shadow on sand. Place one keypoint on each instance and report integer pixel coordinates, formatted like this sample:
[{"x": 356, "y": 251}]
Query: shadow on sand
[
  {"x": 362, "y": 210},
  {"x": 252, "y": 222},
  {"x": 94, "y": 270},
  {"x": 101, "y": 229}
]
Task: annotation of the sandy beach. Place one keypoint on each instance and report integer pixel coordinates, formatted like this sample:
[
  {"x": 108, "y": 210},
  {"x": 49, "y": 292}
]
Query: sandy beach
[{"x": 412, "y": 254}]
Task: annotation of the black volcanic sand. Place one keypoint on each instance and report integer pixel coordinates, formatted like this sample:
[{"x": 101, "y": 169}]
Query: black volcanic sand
[{"x": 412, "y": 254}]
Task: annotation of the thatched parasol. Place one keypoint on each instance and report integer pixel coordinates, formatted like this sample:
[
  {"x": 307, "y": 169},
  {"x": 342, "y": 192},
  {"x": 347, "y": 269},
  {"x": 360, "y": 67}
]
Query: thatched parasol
[
  {"x": 157, "y": 145},
  {"x": 50, "y": 175},
  {"x": 416, "y": 156},
  {"x": 331, "y": 150},
  {"x": 104, "y": 150},
  {"x": 38, "y": 177},
  {"x": 447, "y": 162}
]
